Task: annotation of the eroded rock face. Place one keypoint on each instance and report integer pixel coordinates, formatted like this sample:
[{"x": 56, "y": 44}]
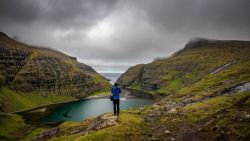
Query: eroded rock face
[
  {"x": 52, "y": 74},
  {"x": 11, "y": 61},
  {"x": 24, "y": 68}
]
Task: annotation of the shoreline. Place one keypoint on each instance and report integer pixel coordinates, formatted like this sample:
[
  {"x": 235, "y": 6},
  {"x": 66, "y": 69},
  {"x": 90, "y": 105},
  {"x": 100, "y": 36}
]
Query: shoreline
[
  {"x": 42, "y": 106},
  {"x": 56, "y": 104}
]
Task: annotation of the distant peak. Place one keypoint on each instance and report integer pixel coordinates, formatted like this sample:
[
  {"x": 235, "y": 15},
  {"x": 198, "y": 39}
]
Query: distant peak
[
  {"x": 199, "y": 39},
  {"x": 3, "y": 34},
  {"x": 196, "y": 42}
]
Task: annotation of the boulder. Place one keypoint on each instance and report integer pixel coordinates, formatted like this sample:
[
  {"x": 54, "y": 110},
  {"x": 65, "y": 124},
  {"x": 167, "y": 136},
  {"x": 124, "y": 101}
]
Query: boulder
[
  {"x": 47, "y": 134},
  {"x": 103, "y": 121}
]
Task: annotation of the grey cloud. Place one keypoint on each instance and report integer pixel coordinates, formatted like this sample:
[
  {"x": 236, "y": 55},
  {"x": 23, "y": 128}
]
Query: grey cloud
[
  {"x": 194, "y": 15},
  {"x": 58, "y": 12},
  {"x": 142, "y": 29},
  {"x": 22, "y": 11},
  {"x": 77, "y": 12}
]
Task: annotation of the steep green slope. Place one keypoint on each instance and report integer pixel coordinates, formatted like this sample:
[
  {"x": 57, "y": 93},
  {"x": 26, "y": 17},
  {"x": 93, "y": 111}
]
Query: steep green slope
[
  {"x": 30, "y": 76},
  {"x": 185, "y": 67},
  {"x": 12, "y": 127},
  {"x": 206, "y": 97}
]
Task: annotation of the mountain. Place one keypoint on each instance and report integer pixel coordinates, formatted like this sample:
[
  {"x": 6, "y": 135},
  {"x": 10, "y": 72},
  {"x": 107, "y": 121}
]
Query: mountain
[
  {"x": 199, "y": 58},
  {"x": 30, "y": 76}
]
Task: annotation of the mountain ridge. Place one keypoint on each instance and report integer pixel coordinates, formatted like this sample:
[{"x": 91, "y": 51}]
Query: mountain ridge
[
  {"x": 46, "y": 72},
  {"x": 185, "y": 64}
]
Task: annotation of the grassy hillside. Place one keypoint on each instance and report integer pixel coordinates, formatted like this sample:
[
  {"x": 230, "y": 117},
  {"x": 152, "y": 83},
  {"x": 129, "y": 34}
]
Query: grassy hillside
[
  {"x": 186, "y": 67},
  {"x": 30, "y": 76}
]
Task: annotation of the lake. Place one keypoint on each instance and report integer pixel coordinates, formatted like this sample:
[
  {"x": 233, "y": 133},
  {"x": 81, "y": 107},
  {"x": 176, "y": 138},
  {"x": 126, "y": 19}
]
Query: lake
[
  {"x": 82, "y": 109},
  {"x": 85, "y": 108}
]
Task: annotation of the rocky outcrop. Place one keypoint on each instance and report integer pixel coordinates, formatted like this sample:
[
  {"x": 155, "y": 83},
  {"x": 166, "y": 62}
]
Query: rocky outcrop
[
  {"x": 237, "y": 88},
  {"x": 103, "y": 121},
  {"x": 198, "y": 42},
  {"x": 45, "y": 135},
  {"x": 3, "y": 34}
]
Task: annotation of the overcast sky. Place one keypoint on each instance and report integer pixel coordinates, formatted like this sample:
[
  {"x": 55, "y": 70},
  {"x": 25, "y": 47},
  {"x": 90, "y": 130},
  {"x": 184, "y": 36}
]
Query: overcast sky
[{"x": 111, "y": 35}]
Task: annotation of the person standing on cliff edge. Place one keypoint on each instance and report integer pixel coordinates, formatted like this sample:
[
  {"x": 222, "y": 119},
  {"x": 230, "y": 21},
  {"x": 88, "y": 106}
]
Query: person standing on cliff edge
[{"x": 116, "y": 98}]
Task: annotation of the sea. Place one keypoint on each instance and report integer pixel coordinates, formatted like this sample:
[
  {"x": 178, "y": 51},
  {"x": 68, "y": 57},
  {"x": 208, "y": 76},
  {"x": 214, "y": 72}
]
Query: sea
[{"x": 111, "y": 76}]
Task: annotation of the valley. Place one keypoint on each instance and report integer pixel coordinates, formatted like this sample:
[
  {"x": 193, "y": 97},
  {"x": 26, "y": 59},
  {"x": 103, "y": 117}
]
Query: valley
[{"x": 201, "y": 92}]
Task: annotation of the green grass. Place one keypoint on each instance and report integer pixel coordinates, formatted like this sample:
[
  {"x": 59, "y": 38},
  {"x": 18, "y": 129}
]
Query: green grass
[
  {"x": 68, "y": 124},
  {"x": 247, "y": 103},
  {"x": 33, "y": 134},
  {"x": 127, "y": 129},
  {"x": 17, "y": 101},
  {"x": 190, "y": 75},
  {"x": 100, "y": 93},
  {"x": 103, "y": 83},
  {"x": 175, "y": 84},
  {"x": 136, "y": 86},
  {"x": 213, "y": 83},
  {"x": 201, "y": 110},
  {"x": 12, "y": 127}
]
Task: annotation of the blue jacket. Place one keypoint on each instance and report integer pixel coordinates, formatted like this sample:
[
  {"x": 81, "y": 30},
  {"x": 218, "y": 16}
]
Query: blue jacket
[{"x": 115, "y": 92}]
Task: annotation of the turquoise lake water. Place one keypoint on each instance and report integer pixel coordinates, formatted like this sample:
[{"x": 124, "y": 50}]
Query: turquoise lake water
[{"x": 80, "y": 110}]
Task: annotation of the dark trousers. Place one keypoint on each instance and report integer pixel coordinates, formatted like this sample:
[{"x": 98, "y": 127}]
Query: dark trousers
[{"x": 116, "y": 106}]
